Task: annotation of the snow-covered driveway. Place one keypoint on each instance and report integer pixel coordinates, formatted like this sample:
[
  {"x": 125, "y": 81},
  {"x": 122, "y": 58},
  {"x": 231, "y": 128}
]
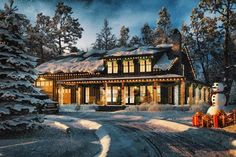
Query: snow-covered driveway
[{"x": 122, "y": 134}]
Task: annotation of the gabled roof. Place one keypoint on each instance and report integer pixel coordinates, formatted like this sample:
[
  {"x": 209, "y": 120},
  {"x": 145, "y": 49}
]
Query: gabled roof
[
  {"x": 92, "y": 61},
  {"x": 165, "y": 63}
]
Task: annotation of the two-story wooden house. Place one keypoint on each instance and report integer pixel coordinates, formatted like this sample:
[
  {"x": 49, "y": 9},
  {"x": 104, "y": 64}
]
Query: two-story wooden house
[{"x": 123, "y": 76}]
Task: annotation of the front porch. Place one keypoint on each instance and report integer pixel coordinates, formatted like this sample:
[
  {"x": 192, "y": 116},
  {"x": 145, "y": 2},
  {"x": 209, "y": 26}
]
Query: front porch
[{"x": 173, "y": 90}]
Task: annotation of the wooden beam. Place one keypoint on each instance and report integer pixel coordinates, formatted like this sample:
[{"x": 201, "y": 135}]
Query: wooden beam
[
  {"x": 191, "y": 101},
  {"x": 123, "y": 93},
  {"x": 197, "y": 95},
  {"x": 61, "y": 93},
  {"x": 105, "y": 93},
  {"x": 155, "y": 92},
  {"x": 182, "y": 92}
]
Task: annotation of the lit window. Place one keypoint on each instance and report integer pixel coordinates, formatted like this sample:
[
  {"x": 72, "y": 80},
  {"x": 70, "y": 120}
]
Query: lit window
[
  {"x": 125, "y": 66},
  {"x": 115, "y": 67},
  {"x": 148, "y": 65},
  {"x": 142, "y": 93},
  {"x": 128, "y": 66},
  {"x": 112, "y": 67},
  {"x": 87, "y": 95},
  {"x": 115, "y": 93},
  {"x": 142, "y": 65},
  {"x": 108, "y": 94},
  {"x": 145, "y": 65},
  {"x": 131, "y": 66},
  {"x": 38, "y": 83},
  {"x": 109, "y": 67}
]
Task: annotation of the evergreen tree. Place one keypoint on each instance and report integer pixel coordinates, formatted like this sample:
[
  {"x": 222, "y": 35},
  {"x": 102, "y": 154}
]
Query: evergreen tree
[
  {"x": 17, "y": 73},
  {"x": 66, "y": 29},
  {"x": 105, "y": 39},
  {"x": 225, "y": 10},
  {"x": 124, "y": 36},
  {"x": 163, "y": 27},
  {"x": 40, "y": 37},
  {"x": 135, "y": 41},
  {"x": 147, "y": 35}
]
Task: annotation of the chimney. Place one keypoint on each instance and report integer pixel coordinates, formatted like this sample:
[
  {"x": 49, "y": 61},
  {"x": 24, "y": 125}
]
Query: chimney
[{"x": 175, "y": 37}]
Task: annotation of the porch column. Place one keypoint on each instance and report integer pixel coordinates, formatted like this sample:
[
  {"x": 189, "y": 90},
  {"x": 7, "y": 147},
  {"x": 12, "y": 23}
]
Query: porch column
[
  {"x": 197, "y": 96},
  {"x": 202, "y": 94},
  {"x": 191, "y": 94},
  {"x": 123, "y": 93},
  {"x": 61, "y": 93},
  {"x": 155, "y": 92},
  {"x": 105, "y": 94},
  {"x": 78, "y": 95},
  {"x": 182, "y": 92},
  {"x": 207, "y": 94}
]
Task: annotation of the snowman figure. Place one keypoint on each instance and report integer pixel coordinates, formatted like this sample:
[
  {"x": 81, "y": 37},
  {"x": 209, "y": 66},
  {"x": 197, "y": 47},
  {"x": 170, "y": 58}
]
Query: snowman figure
[{"x": 218, "y": 98}]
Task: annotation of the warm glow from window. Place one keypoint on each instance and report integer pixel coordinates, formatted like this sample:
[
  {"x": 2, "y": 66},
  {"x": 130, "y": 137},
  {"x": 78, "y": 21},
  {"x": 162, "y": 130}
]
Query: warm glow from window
[
  {"x": 128, "y": 66},
  {"x": 145, "y": 65},
  {"x": 142, "y": 65},
  {"x": 148, "y": 65},
  {"x": 109, "y": 67},
  {"x": 112, "y": 67},
  {"x": 87, "y": 95},
  {"x": 115, "y": 67},
  {"x": 131, "y": 66},
  {"x": 125, "y": 67},
  {"x": 45, "y": 85}
]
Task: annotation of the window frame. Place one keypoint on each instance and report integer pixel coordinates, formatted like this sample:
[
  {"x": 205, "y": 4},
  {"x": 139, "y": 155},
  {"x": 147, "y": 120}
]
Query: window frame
[
  {"x": 112, "y": 67},
  {"x": 145, "y": 65},
  {"x": 128, "y": 66}
]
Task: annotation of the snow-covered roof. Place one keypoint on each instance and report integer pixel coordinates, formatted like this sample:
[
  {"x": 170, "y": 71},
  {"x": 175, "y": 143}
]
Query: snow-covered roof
[
  {"x": 132, "y": 51},
  {"x": 72, "y": 64},
  {"x": 92, "y": 61},
  {"x": 164, "y": 63}
]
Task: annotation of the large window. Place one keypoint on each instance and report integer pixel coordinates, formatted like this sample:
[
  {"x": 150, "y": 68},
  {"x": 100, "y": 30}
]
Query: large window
[
  {"x": 87, "y": 93},
  {"x": 112, "y": 67},
  {"x": 46, "y": 86},
  {"x": 112, "y": 94},
  {"x": 128, "y": 66},
  {"x": 145, "y": 65},
  {"x": 146, "y": 93}
]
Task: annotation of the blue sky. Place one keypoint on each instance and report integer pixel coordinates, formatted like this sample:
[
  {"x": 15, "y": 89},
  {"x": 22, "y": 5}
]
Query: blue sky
[{"x": 91, "y": 13}]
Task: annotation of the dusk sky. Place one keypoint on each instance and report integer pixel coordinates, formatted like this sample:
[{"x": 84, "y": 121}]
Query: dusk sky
[{"x": 91, "y": 13}]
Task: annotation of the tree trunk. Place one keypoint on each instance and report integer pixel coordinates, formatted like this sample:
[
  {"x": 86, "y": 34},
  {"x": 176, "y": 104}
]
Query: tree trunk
[
  {"x": 59, "y": 43},
  {"x": 226, "y": 53},
  {"x": 42, "y": 54}
]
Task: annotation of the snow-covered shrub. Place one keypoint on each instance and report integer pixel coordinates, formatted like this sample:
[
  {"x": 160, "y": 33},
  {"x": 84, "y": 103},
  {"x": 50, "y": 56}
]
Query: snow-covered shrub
[
  {"x": 143, "y": 106},
  {"x": 154, "y": 107},
  {"x": 202, "y": 107}
]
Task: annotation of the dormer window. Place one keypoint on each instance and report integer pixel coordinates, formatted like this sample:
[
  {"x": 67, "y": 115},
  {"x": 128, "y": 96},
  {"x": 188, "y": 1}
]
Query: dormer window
[
  {"x": 128, "y": 66},
  {"x": 112, "y": 67},
  {"x": 145, "y": 65}
]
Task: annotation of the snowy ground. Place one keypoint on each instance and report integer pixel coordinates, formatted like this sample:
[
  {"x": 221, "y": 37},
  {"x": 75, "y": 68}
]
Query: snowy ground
[{"x": 167, "y": 133}]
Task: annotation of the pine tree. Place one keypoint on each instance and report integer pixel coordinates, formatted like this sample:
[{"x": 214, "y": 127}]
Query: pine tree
[
  {"x": 40, "y": 38},
  {"x": 163, "y": 27},
  {"x": 105, "y": 39},
  {"x": 66, "y": 29},
  {"x": 135, "y": 41},
  {"x": 17, "y": 73},
  {"x": 124, "y": 36},
  {"x": 147, "y": 35},
  {"x": 225, "y": 10}
]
